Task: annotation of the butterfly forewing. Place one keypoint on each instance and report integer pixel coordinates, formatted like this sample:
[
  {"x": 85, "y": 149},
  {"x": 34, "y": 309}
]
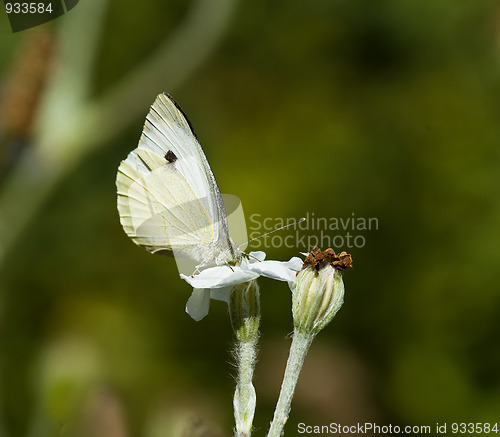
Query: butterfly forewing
[
  {"x": 161, "y": 212},
  {"x": 168, "y": 198}
]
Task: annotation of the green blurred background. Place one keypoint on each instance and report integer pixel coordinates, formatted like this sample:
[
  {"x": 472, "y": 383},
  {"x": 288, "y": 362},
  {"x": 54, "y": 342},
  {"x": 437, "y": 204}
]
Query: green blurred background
[{"x": 384, "y": 109}]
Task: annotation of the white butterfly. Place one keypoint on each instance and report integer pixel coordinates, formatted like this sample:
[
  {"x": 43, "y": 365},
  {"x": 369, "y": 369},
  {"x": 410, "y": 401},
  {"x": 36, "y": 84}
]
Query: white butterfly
[
  {"x": 169, "y": 203},
  {"x": 168, "y": 199}
]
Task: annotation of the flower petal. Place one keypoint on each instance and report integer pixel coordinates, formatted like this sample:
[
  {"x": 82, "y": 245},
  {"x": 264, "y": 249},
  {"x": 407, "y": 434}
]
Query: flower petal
[
  {"x": 295, "y": 264},
  {"x": 279, "y": 270},
  {"x": 222, "y": 294},
  {"x": 220, "y": 276},
  {"x": 256, "y": 256},
  {"x": 198, "y": 304}
]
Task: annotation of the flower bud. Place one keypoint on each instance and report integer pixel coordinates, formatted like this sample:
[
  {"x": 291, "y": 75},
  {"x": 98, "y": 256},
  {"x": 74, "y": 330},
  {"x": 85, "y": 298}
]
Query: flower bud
[
  {"x": 319, "y": 291},
  {"x": 244, "y": 310}
]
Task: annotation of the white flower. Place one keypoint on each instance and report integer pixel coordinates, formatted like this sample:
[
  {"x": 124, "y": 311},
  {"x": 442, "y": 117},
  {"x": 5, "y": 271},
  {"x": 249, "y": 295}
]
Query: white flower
[{"x": 217, "y": 282}]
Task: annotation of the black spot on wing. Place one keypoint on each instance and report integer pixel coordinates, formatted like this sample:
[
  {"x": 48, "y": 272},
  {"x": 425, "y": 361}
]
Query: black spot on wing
[{"x": 170, "y": 156}]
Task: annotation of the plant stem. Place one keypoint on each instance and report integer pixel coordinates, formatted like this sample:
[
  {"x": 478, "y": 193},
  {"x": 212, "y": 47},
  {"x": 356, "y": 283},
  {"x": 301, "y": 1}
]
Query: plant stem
[
  {"x": 244, "y": 310},
  {"x": 244, "y": 396},
  {"x": 301, "y": 342}
]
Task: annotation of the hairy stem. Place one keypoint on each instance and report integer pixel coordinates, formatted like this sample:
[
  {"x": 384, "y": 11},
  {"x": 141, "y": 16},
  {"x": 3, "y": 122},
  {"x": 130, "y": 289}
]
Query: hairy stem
[
  {"x": 301, "y": 342},
  {"x": 244, "y": 396},
  {"x": 244, "y": 309}
]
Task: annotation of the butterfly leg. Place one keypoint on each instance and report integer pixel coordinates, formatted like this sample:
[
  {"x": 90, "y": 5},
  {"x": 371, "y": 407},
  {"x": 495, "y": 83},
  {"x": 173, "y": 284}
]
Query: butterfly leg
[{"x": 196, "y": 271}]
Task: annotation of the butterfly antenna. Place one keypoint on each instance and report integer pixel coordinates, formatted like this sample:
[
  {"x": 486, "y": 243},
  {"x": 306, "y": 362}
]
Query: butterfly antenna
[{"x": 274, "y": 230}]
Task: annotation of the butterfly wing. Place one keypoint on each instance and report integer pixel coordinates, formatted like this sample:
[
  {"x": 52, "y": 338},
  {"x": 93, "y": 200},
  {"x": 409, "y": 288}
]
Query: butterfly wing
[
  {"x": 160, "y": 211},
  {"x": 168, "y": 199}
]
